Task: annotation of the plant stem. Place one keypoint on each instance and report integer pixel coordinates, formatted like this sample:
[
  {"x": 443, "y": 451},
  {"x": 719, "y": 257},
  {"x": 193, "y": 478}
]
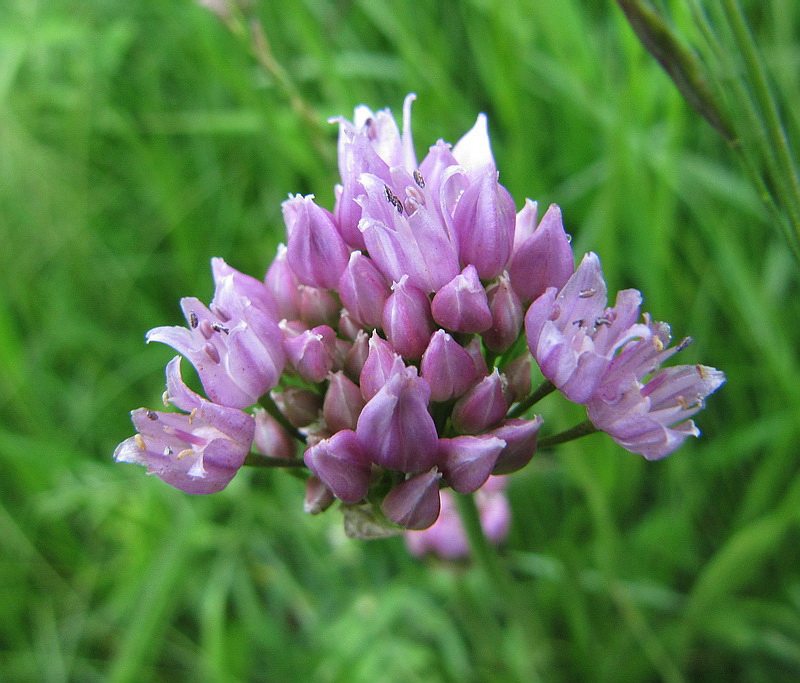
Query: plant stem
[
  {"x": 583, "y": 429},
  {"x": 537, "y": 395},
  {"x": 516, "y": 612},
  {"x": 269, "y": 405},
  {"x": 258, "y": 460}
]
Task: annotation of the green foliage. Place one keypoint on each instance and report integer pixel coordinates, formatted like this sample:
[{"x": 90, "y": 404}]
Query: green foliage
[{"x": 140, "y": 139}]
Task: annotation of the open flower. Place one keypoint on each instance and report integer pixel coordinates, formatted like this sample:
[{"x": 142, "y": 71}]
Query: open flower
[{"x": 198, "y": 452}]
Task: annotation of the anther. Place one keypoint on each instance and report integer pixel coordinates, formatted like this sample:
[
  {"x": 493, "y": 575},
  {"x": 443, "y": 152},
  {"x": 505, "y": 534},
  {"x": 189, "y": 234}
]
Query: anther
[
  {"x": 193, "y": 320},
  {"x": 602, "y": 321},
  {"x": 140, "y": 442},
  {"x": 587, "y": 293},
  {"x": 192, "y": 414},
  {"x": 684, "y": 343},
  {"x": 206, "y": 329},
  {"x": 418, "y": 179},
  {"x": 217, "y": 327},
  {"x": 211, "y": 352},
  {"x": 165, "y": 399},
  {"x": 151, "y": 415}
]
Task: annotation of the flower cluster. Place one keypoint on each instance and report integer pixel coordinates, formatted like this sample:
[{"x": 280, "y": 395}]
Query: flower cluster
[{"x": 395, "y": 338}]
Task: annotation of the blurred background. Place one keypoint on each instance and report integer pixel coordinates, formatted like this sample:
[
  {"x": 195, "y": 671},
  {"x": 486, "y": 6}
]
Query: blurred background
[{"x": 139, "y": 139}]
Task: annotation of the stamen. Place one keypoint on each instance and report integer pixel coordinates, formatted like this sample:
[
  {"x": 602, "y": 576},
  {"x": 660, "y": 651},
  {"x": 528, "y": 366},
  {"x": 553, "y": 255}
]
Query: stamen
[
  {"x": 579, "y": 322},
  {"x": 193, "y": 320},
  {"x": 393, "y": 199},
  {"x": 206, "y": 329},
  {"x": 185, "y": 452},
  {"x": 587, "y": 293},
  {"x": 217, "y": 327},
  {"x": 684, "y": 343},
  {"x": 140, "y": 442},
  {"x": 418, "y": 179},
  {"x": 165, "y": 399},
  {"x": 211, "y": 352},
  {"x": 602, "y": 321},
  {"x": 151, "y": 415},
  {"x": 192, "y": 414},
  {"x": 658, "y": 345}
]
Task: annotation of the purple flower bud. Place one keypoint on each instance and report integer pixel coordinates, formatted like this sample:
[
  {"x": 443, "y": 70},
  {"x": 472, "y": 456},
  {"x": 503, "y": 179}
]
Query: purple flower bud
[
  {"x": 342, "y": 464},
  {"x": 525, "y": 223},
  {"x": 507, "y": 316},
  {"x": 363, "y": 290},
  {"x": 235, "y": 346},
  {"x": 270, "y": 437},
  {"x": 484, "y": 225},
  {"x": 544, "y": 259},
  {"x": 356, "y": 356},
  {"x": 197, "y": 453},
  {"x": 518, "y": 375},
  {"x": 414, "y": 504},
  {"x": 379, "y": 366},
  {"x": 407, "y": 319},
  {"x": 447, "y": 538},
  {"x": 312, "y": 352},
  {"x": 395, "y": 426},
  {"x": 520, "y": 437},
  {"x": 573, "y": 336},
  {"x": 467, "y": 461},
  {"x": 473, "y": 348},
  {"x": 447, "y": 367},
  {"x": 316, "y": 251},
  {"x": 343, "y": 403},
  {"x": 300, "y": 406},
  {"x": 317, "y": 307},
  {"x": 461, "y": 305},
  {"x": 482, "y": 407},
  {"x": 318, "y": 496},
  {"x": 283, "y": 284}
]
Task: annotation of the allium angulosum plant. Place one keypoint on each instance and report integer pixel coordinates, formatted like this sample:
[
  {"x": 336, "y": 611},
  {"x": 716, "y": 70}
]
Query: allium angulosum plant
[{"x": 394, "y": 339}]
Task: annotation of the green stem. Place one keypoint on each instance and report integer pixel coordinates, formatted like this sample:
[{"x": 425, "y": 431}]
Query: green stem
[
  {"x": 537, "y": 395},
  {"x": 259, "y": 460},
  {"x": 269, "y": 405},
  {"x": 583, "y": 429},
  {"x": 785, "y": 176},
  {"x": 516, "y": 612}
]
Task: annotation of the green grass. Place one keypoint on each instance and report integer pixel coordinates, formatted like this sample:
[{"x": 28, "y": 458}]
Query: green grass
[{"x": 138, "y": 140}]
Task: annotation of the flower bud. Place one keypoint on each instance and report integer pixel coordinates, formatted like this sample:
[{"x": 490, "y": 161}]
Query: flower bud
[
  {"x": 520, "y": 437},
  {"x": 447, "y": 367},
  {"x": 407, "y": 319},
  {"x": 356, "y": 356},
  {"x": 318, "y": 496},
  {"x": 343, "y": 466},
  {"x": 518, "y": 375},
  {"x": 414, "y": 504},
  {"x": 300, "y": 406},
  {"x": 283, "y": 284},
  {"x": 316, "y": 251},
  {"x": 461, "y": 305},
  {"x": 312, "y": 352},
  {"x": 467, "y": 461},
  {"x": 544, "y": 259},
  {"x": 343, "y": 403},
  {"x": 395, "y": 426},
  {"x": 482, "y": 407},
  {"x": 270, "y": 438},
  {"x": 484, "y": 224},
  {"x": 317, "y": 307},
  {"x": 363, "y": 290},
  {"x": 507, "y": 316},
  {"x": 378, "y": 367}
]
